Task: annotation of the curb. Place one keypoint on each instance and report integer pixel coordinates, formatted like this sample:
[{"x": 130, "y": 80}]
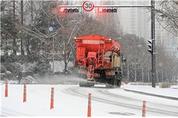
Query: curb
[{"x": 161, "y": 96}]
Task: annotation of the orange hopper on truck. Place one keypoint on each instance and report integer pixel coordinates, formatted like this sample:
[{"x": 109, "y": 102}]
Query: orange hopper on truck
[{"x": 98, "y": 59}]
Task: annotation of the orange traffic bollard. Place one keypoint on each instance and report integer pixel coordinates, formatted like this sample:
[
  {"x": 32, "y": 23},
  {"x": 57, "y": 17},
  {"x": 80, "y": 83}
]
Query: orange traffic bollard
[
  {"x": 52, "y": 99},
  {"x": 89, "y": 105},
  {"x": 144, "y": 109},
  {"x": 6, "y": 88},
  {"x": 24, "y": 93}
]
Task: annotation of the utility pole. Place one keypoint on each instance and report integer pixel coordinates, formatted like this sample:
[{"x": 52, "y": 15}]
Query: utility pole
[
  {"x": 153, "y": 54},
  {"x": 135, "y": 72},
  {"x": 53, "y": 54},
  {"x": 142, "y": 75},
  {"x": 22, "y": 51},
  {"x": 128, "y": 73},
  {"x": 162, "y": 76},
  {"x": 14, "y": 35}
]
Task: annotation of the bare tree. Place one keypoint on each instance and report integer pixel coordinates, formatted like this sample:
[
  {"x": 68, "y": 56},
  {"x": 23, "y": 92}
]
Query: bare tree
[{"x": 167, "y": 15}]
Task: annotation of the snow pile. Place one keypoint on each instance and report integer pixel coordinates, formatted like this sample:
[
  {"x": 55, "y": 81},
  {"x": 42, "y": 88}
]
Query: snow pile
[
  {"x": 174, "y": 87},
  {"x": 167, "y": 92},
  {"x": 10, "y": 82}
]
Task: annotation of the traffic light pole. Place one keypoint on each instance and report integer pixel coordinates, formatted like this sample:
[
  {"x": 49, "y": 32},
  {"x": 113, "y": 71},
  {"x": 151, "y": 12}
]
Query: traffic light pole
[{"x": 153, "y": 54}]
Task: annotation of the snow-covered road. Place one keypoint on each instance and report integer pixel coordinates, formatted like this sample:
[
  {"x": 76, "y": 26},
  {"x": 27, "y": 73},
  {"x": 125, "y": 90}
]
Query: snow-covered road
[{"x": 71, "y": 100}]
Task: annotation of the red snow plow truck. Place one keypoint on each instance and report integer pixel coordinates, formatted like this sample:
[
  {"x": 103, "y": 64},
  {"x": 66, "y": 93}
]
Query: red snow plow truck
[{"x": 98, "y": 59}]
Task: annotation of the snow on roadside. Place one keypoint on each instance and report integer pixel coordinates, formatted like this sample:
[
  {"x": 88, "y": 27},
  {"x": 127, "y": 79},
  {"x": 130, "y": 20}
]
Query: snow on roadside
[
  {"x": 152, "y": 99},
  {"x": 38, "y": 102},
  {"x": 9, "y": 81},
  {"x": 174, "y": 87},
  {"x": 169, "y": 92},
  {"x": 65, "y": 104}
]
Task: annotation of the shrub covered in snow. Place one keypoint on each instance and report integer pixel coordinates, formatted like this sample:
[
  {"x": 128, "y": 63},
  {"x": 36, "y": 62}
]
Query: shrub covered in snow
[
  {"x": 28, "y": 80},
  {"x": 42, "y": 66},
  {"x": 12, "y": 70},
  {"x": 164, "y": 85},
  {"x": 2, "y": 68},
  {"x": 29, "y": 67},
  {"x": 24, "y": 64}
]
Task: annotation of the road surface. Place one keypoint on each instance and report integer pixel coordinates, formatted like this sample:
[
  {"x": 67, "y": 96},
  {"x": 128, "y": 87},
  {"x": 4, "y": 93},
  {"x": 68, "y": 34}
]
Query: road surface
[{"x": 71, "y": 100}]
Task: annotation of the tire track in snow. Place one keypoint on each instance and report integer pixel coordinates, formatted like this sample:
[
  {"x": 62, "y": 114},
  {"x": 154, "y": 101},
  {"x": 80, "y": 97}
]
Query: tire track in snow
[
  {"x": 9, "y": 112},
  {"x": 107, "y": 93},
  {"x": 77, "y": 92}
]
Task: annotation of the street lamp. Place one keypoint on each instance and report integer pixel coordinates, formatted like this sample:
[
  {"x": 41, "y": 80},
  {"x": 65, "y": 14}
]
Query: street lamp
[{"x": 52, "y": 28}]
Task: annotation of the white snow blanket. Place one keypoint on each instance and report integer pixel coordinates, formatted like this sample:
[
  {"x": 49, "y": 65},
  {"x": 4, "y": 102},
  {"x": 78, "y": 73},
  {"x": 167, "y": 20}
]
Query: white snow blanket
[{"x": 168, "y": 92}]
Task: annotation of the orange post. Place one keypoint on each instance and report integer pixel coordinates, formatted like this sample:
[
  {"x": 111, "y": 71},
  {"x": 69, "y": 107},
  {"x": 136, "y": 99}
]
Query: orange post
[
  {"x": 52, "y": 99},
  {"x": 144, "y": 109},
  {"x": 89, "y": 105},
  {"x": 24, "y": 93},
  {"x": 6, "y": 88}
]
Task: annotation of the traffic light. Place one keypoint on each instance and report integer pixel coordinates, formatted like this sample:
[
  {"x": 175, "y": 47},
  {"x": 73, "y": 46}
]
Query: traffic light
[{"x": 150, "y": 46}]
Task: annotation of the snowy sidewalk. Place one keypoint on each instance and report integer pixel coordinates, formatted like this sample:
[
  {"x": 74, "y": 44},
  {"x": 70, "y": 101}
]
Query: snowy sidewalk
[{"x": 169, "y": 93}]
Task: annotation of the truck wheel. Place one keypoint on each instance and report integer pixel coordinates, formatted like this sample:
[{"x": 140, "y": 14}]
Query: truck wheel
[
  {"x": 118, "y": 83},
  {"x": 111, "y": 83}
]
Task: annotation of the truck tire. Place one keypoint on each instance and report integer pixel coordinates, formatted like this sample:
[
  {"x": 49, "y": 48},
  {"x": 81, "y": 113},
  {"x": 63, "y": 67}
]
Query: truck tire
[{"x": 118, "y": 83}]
